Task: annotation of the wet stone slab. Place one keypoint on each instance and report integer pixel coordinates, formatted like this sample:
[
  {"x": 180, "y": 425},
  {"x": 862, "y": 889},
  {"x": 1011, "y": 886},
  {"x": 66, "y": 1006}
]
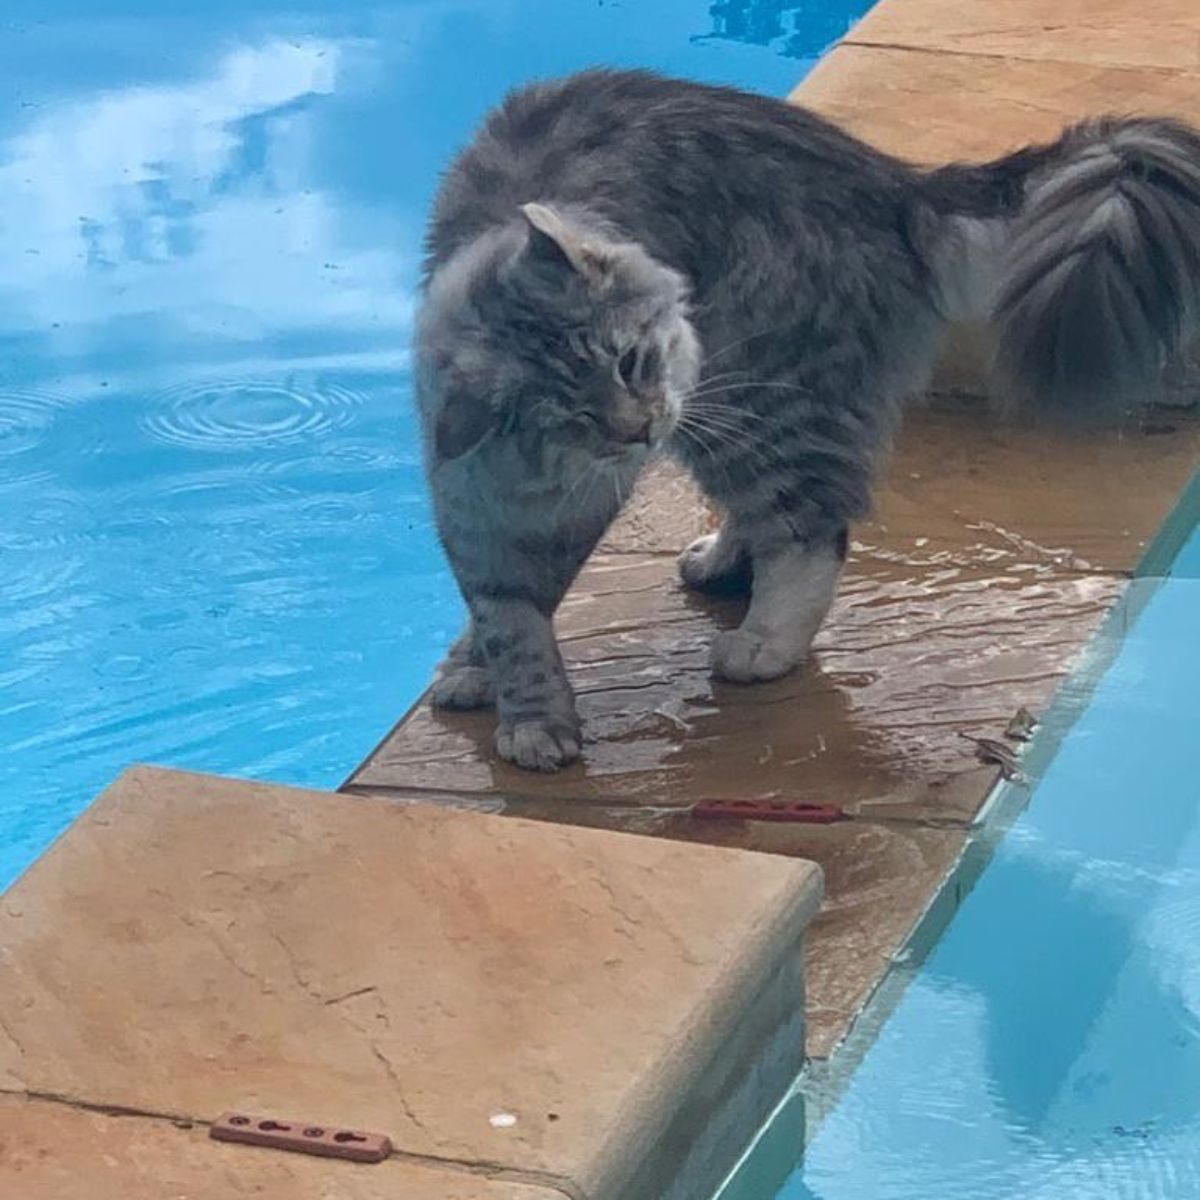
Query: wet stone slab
[
  {"x": 906, "y": 665},
  {"x": 993, "y": 556},
  {"x": 995, "y": 553}
]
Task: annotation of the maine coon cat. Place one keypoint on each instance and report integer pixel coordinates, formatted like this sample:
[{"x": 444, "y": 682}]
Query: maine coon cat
[{"x": 622, "y": 263}]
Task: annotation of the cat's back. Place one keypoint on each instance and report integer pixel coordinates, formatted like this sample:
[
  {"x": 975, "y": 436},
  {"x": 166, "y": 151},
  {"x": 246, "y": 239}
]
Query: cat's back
[{"x": 630, "y": 142}]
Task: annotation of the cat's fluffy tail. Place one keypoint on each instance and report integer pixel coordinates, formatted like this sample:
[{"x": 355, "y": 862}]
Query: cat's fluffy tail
[{"x": 1099, "y": 280}]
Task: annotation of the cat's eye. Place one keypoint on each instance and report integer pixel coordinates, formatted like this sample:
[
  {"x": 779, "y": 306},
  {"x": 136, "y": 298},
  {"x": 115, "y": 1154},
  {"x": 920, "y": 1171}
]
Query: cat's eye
[{"x": 627, "y": 367}]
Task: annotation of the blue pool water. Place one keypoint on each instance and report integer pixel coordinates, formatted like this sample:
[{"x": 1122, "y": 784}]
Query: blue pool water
[
  {"x": 216, "y": 551},
  {"x": 1049, "y": 1048},
  {"x": 215, "y": 547},
  {"x": 1187, "y": 565}
]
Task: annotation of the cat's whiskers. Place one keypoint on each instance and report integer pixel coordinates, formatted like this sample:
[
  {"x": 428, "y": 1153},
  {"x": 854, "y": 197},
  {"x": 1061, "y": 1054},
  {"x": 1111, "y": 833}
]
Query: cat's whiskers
[
  {"x": 617, "y": 496},
  {"x": 723, "y": 414},
  {"x": 588, "y": 475},
  {"x": 725, "y": 422},
  {"x": 743, "y": 340},
  {"x": 719, "y": 377},
  {"x": 735, "y": 387},
  {"x": 706, "y": 405},
  {"x": 721, "y": 438},
  {"x": 718, "y": 459}
]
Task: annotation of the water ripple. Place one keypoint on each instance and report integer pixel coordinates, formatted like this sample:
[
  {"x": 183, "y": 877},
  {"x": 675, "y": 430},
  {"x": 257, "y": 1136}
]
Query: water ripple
[
  {"x": 26, "y": 419},
  {"x": 241, "y": 414}
]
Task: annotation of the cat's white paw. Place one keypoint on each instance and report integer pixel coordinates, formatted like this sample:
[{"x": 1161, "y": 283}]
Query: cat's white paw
[
  {"x": 463, "y": 688},
  {"x": 745, "y": 657},
  {"x": 695, "y": 563},
  {"x": 543, "y": 745},
  {"x": 706, "y": 565}
]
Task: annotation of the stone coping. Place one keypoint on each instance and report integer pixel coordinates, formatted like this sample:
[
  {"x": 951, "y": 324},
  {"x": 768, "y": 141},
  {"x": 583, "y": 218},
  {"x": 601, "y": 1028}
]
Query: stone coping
[
  {"x": 995, "y": 552},
  {"x": 557, "y": 1010}
]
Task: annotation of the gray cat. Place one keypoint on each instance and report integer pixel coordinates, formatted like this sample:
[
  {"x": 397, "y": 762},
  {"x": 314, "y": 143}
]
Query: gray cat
[{"x": 623, "y": 263}]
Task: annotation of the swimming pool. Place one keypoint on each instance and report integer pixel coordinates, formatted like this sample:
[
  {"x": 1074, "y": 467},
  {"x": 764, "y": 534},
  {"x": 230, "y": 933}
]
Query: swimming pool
[
  {"x": 1049, "y": 1047},
  {"x": 218, "y": 555},
  {"x": 217, "y": 552}
]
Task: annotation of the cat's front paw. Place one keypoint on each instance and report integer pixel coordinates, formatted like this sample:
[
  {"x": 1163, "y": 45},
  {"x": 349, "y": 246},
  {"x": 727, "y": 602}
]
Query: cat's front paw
[
  {"x": 546, "y": 744},
  {"x": 745, "y": 657},
  {"x": 708, "y": 566},
  {"x": 463, "y": 688}
]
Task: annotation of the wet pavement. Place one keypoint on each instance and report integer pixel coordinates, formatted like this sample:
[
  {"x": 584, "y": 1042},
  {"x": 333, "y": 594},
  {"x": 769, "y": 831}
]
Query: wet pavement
[{"x": 996, "y": 552}]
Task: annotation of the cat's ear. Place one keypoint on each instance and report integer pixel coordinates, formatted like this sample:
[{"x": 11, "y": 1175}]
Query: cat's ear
[
  {"x": 462, "y": 423},
  {"x": 557, "y": 243}
]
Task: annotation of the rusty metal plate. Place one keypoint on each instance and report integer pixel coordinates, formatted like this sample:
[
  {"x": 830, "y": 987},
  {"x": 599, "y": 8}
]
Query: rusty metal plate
[{"x": 302, "y": 1137}]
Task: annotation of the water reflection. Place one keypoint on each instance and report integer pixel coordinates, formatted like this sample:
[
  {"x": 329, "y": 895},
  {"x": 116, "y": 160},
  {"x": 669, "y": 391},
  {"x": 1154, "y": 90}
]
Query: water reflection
[
  {"x": 1050, "y": 1047},
  {"x": 796, "y": 28},
  {"x": 185, "y": 213}
]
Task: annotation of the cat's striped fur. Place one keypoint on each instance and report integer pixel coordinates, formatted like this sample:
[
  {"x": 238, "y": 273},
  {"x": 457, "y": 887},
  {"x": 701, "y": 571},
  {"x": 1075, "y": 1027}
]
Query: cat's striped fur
[{"x": 621, "y": 262}]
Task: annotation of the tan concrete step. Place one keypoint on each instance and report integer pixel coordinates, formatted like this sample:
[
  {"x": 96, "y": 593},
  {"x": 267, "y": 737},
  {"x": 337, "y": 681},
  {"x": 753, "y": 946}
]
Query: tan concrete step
[{"x": 603, "y": 1015}]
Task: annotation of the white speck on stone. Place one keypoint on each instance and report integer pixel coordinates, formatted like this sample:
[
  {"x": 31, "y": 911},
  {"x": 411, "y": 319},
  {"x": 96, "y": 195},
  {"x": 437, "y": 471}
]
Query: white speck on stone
[
  {"x": 502, "y": 1120},
  {"x": 922, "y": 541}
]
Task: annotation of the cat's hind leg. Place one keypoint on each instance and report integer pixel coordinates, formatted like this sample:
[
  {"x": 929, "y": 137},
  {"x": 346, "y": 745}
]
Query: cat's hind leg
[
  {"x": 718, "y": 563},
  {"x": 795, "y": 582}
]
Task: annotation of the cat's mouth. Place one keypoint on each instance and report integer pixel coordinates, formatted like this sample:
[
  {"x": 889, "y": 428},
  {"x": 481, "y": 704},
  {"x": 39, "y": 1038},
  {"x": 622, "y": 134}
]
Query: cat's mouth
[{"x": 643, "y": 436}]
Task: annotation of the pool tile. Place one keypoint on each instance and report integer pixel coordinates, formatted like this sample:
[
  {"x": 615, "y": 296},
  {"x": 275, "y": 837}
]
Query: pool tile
[
  {"x": 909, "y": 662},
  {"x": 587, "y": 1009},
  {"x": 53, "y": 1151}
]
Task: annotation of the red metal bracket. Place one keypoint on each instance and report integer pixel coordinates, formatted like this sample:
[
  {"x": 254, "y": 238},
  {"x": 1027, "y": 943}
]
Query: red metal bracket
[
  {"x": 770, "y": 810},
  {"x": 301, "y": 1137}
]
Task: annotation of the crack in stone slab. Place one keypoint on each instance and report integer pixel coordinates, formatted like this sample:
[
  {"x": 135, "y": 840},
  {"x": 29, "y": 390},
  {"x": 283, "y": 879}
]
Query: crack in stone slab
[
  {"x": 864, "y": 44},
  {"x": 12, "y": 1037},
  {"x": 103, "y": 1108},
  {"x": 305, "y": 985},
  {"x": 392, "y": 1074},
  {"x": 362, "y": 991}
]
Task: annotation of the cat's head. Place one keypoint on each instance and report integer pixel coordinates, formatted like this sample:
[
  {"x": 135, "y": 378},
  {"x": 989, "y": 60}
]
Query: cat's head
[{"x": 565, "y": 340}]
